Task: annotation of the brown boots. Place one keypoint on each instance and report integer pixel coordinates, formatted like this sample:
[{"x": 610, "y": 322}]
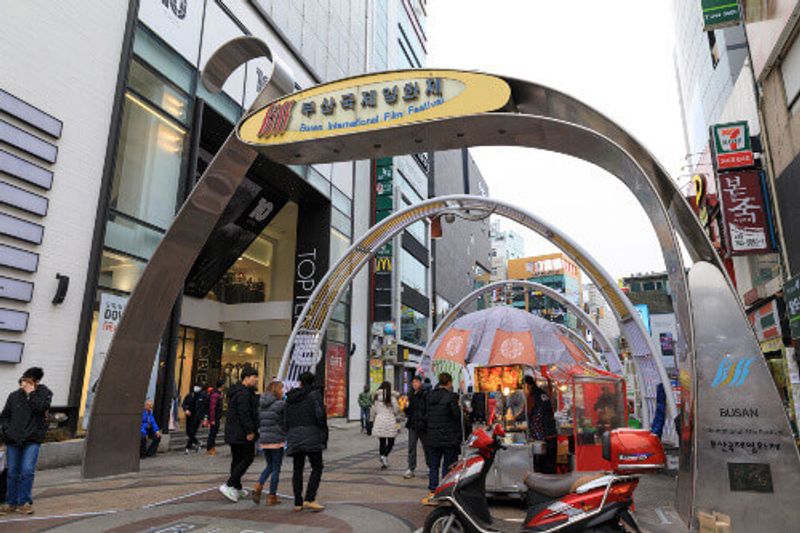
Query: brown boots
[
  {"x": 257, "y": 493},
  {"x": 272, "y": 499}
]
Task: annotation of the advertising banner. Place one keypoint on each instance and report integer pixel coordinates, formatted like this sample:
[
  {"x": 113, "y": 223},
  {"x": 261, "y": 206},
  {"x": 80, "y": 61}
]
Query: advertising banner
[
  {"x": 335, "y": 380},
  {"x": 720, "y": 14},
  {"x": 766, "y": 322},
  {"x": 644, "y": 313},
  {"x": 111, "y": 309},
  {"x": 732, "y": 145},
  {"x": 791, "y": 295},
  {"x": 743, "y": 213}
]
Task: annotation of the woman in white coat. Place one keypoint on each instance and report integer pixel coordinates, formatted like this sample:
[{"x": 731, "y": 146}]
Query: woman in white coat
[{"x": 385, "y": 424}]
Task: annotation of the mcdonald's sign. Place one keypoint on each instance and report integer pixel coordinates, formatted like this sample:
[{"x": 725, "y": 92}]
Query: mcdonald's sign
[{"x": 383, "y": 264}]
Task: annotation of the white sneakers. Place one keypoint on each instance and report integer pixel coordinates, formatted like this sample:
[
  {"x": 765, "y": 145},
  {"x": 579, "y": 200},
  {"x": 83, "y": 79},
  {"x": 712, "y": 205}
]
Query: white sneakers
[
  {"x": 384, "y": 462},
  {"x": 408, "y": 475},
  {"x": 230, "y": 493}
]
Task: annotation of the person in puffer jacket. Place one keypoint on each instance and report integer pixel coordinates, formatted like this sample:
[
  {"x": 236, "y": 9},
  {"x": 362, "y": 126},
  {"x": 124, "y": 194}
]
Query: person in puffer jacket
[
  {"x": 443, "y": 430},
  {"x": 271, "y": 440},
  {"x": 306, "y": 436}
]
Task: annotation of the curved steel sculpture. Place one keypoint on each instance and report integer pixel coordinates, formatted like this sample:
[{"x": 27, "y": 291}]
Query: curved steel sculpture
[
  {"x": 582, "y": 343},
  {"x": 531, "y": 116},
  {"x": 304, "y": 348},
  {"x": 609, "y": 352},
  {"x": 112, "y": 437}
]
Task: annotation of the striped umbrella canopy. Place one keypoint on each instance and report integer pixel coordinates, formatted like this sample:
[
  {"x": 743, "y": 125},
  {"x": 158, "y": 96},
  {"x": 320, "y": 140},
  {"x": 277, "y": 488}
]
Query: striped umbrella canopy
[{"x": 501, "y": 336}]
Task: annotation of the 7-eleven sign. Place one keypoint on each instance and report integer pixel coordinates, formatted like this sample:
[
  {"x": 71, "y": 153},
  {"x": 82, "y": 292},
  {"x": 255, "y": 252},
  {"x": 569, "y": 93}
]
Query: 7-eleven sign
[{"x": 732, "y": 145}]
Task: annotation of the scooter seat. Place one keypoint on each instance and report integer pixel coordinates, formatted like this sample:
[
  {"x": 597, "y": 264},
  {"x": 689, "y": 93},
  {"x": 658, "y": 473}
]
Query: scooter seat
[{"x": 557, "y": 485}]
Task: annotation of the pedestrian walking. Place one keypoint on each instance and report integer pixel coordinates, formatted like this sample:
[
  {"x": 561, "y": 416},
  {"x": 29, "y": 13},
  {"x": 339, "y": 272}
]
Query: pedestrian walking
[
  {"x": 385, "y": 425},
  {"x": 24, "y": 425},
  {"x": 365, "y": 403},
  {"x": 241, "y": 430},
  {"x": 193, "y": 409},
  {"x": 415, "y": 424},
  {"x": 271, "y": 440},
  {"x": 442, "y": 416},
  {"x": 149, "y": 430},
  {"x": 306, "y": 436},
  {"x": 541, "y": 425},
  {"x": 214, "y": 417}
]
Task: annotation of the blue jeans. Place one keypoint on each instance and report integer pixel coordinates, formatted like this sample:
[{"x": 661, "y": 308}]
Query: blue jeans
[
  {"x": 21, "y": 464},
  {"x": 446, "y": 457},
  {"x": 274, "y": 459},
  {"x": 364, "y": 418}
]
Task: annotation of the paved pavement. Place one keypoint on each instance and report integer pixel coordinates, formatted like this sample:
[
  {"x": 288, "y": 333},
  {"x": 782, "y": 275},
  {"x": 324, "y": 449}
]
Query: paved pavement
[{"x": 178, "y": 493}]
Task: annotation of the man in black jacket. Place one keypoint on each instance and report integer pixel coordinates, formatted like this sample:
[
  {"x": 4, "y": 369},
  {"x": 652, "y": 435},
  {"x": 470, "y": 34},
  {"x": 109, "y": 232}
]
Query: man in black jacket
[
  {"x": 414, "y": 424},
  {"x": 442, "y": 417},
  {"x": 241, "y": 430},
  {"x": 24, "y": 425},
  {"x": 306, "y": 436},
  {"x": 194, "y": 408}
]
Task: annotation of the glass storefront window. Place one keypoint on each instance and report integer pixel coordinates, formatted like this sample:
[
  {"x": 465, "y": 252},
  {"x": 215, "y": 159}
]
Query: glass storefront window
[
  {"x": 164, "y": 95},
  {"x": 162, "y": 59},
  {"x": 238, "y": 354},
  {"x": 249, "y": 280},
  {"x": 149, "y": 162},
  {"x": 413, "y": 326},
  {"x": 120, "y": 272},
  {"x": 413, "y": 273},
  {"x": 132, "y": 238},
  {"x": 339, "y": 245},
  {"x": 337, "y": 332}
]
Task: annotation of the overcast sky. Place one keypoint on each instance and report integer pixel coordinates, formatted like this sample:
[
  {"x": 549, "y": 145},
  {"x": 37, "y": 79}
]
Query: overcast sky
[{"x": 615, "y": 56}]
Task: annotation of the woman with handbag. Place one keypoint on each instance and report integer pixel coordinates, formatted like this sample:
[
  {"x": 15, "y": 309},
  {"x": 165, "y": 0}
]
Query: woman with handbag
[{"x": 385, "y": 426}]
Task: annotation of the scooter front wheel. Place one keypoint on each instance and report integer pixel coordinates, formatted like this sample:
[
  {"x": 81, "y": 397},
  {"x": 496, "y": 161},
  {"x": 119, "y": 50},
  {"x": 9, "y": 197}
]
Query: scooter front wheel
[{"x": 444, "y": 520}]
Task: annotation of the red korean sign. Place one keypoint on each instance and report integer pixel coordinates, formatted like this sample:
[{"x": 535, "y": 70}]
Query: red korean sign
[
  {"x": 743, "y": 213},
  {"x": 335, "y": 380}
]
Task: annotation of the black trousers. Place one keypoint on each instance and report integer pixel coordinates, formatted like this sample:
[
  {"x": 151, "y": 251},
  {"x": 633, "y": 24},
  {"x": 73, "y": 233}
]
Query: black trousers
[
  {"x": 149, "y": 451},
  {"x": 242, "y": 456},
  {"x": 192, "y": 423},
  {"x": 385, "y": 445},
  {"x": 546, "y": 464},
  {"x": 299, "y": 462},
  {"x": 212, "y": 436}
]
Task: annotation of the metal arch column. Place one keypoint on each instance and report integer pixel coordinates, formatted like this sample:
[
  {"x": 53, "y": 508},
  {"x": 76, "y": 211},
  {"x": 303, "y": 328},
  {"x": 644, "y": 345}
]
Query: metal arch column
[
  {"x": 459, "y": 308},
  {"x": 112, "y": 441},
  {"x": 303, "y": 349}
]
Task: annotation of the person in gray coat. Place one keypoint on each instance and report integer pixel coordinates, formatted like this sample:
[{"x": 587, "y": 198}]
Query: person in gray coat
[{"x": 271, "y": 440}]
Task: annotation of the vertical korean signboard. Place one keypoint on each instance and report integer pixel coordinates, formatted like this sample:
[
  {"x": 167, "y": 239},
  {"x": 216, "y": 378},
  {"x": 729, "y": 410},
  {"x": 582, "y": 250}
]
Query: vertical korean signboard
[
  {"x": 335, "y": 382},
  {"x": 743, "y": 214},
  {"x": 791, "y": 294}
]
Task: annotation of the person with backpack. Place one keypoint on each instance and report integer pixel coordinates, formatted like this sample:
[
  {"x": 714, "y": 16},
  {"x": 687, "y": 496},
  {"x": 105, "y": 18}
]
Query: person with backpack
[
  {"x": 306, "y": 437},
  {"x": 365, "y": 403},
  {"x": 271, "y": 440},
  {"x": 241, "y": 431},
  {"x": 23, "y": 423},
  {"x": 214, "y": 416}
]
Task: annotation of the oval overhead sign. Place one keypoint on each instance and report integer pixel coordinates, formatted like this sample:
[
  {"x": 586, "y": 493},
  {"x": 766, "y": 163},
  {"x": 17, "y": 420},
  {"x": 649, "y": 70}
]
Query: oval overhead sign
[{"x": 373, "y": 102}]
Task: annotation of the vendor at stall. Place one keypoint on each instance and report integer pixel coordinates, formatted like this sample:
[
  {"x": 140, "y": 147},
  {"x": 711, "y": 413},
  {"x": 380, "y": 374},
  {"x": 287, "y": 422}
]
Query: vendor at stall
[{"x": 542, "y": 425}]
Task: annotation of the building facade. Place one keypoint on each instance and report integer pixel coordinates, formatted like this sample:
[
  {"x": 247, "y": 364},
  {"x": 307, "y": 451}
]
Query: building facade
[
  {"x": 91, "y": 176},
  {"x": 736, "y": 108},
  {"x": 556, "y": 271},
  {"x": 507, "y": 244}
]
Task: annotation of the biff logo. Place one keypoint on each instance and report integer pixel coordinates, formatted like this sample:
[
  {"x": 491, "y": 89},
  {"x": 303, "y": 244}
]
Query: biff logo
[{"x": 276, "y": 119}]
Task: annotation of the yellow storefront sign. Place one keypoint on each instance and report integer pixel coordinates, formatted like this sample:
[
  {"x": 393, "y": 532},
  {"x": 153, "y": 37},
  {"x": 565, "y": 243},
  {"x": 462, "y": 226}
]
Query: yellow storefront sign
[{"x": 373, "y": 102}]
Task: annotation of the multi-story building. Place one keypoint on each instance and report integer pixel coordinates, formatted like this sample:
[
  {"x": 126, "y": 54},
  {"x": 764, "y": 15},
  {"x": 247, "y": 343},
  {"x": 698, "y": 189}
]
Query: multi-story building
[
  {"x": 556, "y": 271},
  {"x": 600, "y": 312},
  {"x": 737, "y": 92},
  {"x": 507, "y": 244},
  {"x": 651, "y": 295},
  {"x": 91, "y": 175},
  {"x": 405, "y": 289}
]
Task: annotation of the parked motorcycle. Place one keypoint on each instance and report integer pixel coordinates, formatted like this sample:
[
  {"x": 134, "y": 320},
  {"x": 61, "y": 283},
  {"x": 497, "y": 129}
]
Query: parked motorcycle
[{"x": 579, "y": 501}]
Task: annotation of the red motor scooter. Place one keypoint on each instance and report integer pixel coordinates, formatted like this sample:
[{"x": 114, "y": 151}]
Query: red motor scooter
[{"x": 579, "y": 501}]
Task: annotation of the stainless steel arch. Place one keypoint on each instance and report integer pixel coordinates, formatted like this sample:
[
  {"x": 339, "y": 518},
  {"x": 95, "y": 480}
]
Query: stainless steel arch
[
  {"x": 582, "y": 343},
  {"x": 303, "y": 350},
  {"x": 459, "y": 309}
]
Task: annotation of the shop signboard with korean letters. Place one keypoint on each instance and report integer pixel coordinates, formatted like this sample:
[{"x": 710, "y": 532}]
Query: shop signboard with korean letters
[
  {"x": 731, "y": 143},
  {"x": 744, "y": 217},
  {"x": 791, "y": 294}
]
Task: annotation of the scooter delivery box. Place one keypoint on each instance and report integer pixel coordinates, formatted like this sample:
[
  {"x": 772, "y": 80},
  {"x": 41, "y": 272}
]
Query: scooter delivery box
[{"x": 633, "y": 450}]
